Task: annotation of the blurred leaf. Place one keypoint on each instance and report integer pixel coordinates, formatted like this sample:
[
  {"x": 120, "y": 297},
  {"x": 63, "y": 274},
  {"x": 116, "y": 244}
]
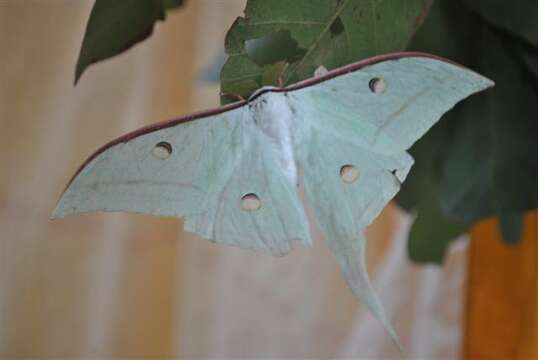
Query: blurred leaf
[
  {"x": 115, "y": 26},
  {"x": 484, "y": 163},
  {"x": 310, "y": 33},
  {"x": 519, "y": 17},
  {"x": 467, "y": 191},
  {"x": 172, "y": 4},
  {"x": 447, "y": 31},
  {"x": 493, "y": 168},
  {"x": 432, "y": 231},
  {"x": 529, "y": 56}
]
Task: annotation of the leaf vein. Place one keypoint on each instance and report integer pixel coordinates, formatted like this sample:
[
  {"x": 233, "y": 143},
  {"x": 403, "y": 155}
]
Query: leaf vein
[
  {"x": 316, "y": 42},
  {"x": 275, "y": 22}
]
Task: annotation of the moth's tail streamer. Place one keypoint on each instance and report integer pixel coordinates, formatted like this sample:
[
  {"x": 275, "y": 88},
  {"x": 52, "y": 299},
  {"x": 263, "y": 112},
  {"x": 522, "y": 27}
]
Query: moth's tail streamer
[{"x": 351, "y": 256}]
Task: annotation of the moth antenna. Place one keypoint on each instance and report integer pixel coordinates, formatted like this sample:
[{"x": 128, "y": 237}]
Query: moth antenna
[
  {"x": 234, "y": 96},
  {"x": 280, "y": 80}
]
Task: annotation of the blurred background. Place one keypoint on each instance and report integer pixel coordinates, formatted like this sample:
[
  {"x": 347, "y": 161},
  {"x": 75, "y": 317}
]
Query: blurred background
[{"x": 126, "y": 286}]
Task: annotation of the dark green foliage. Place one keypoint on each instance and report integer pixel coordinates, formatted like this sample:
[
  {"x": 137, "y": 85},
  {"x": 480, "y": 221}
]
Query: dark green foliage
[
  {"x": 171, "y": 4},
  {"x": 115, "y": 26},
  {"x": 433, "y": 230},
  {"x": 518, "y": 17},
  {"x": 489, "y": 167}
]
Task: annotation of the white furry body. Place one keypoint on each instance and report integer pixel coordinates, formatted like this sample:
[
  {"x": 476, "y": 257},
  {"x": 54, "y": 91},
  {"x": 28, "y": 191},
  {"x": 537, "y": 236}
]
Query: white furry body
[{"x": 272, "y": 114}]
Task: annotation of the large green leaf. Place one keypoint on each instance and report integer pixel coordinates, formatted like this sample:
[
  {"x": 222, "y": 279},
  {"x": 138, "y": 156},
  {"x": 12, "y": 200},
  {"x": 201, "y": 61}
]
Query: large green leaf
[
  {"x": 432, "y": 231},
  {"x": 448, "y": 31},
  {"x": 468, "y": 188},
  {"x": 331, "y": 33},
  {"x": 115, "y": 26},
  {"x": 519, "y": 17},
  {"x": 488, "y": 167},
  {"x": 493, "y": 168},
  {"x": 484, "y": 147},
  {"x": 529, "y": 56}
]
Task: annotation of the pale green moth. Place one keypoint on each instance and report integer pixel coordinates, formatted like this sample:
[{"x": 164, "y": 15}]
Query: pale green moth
[{"x": 233, "y": 172}]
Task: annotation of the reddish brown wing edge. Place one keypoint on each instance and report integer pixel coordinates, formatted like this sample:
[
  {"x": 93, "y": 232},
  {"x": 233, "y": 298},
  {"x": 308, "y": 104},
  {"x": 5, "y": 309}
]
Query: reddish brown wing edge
[{"x": 299, "y": 85}]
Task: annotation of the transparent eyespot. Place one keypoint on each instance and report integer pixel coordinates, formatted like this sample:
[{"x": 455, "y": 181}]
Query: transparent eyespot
[
  {"x": 162, "y": 150},
  {"x": 250, "y": 202},
  {"x": 349, "y": 173},
  {"x": 377, "y": 85}
]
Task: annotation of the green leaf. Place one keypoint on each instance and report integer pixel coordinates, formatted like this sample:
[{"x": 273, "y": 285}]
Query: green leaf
[
  {"x": 172, "y": 4},
  {"x": 448, "y": 31},
  {"x": 262, "y": 50},
  {"x": 493, "y": 168},
  {"x": 115, "y": 26},
  {"x": 485, "y": 152},
  {"x": 519, "y": 17},
  {"x": 309, "y": 33},
  {"x": 529, "y": 56},
  {"x": 432, "y": 231},
  {"x": 467, "y": 191}
]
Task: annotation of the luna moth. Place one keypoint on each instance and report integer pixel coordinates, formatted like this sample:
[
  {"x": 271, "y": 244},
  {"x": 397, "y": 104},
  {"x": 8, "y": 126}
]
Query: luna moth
[{"x": 233, "y": 172}]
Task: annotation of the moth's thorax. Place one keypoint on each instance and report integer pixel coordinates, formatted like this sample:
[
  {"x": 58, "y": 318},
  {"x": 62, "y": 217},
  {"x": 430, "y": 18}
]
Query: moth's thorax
[{"x": 274, "y": 117}]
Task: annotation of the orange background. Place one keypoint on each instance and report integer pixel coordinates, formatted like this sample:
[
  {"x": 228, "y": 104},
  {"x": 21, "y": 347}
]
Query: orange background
[{"x": 502, "y": 308}]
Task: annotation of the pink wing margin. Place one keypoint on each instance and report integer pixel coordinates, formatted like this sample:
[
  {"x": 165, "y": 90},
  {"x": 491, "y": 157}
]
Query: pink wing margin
[{"x": 221, "y": 109}]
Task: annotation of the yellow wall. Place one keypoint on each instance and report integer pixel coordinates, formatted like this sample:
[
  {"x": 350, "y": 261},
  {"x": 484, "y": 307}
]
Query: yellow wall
[{"x": 96, "y": 285}]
